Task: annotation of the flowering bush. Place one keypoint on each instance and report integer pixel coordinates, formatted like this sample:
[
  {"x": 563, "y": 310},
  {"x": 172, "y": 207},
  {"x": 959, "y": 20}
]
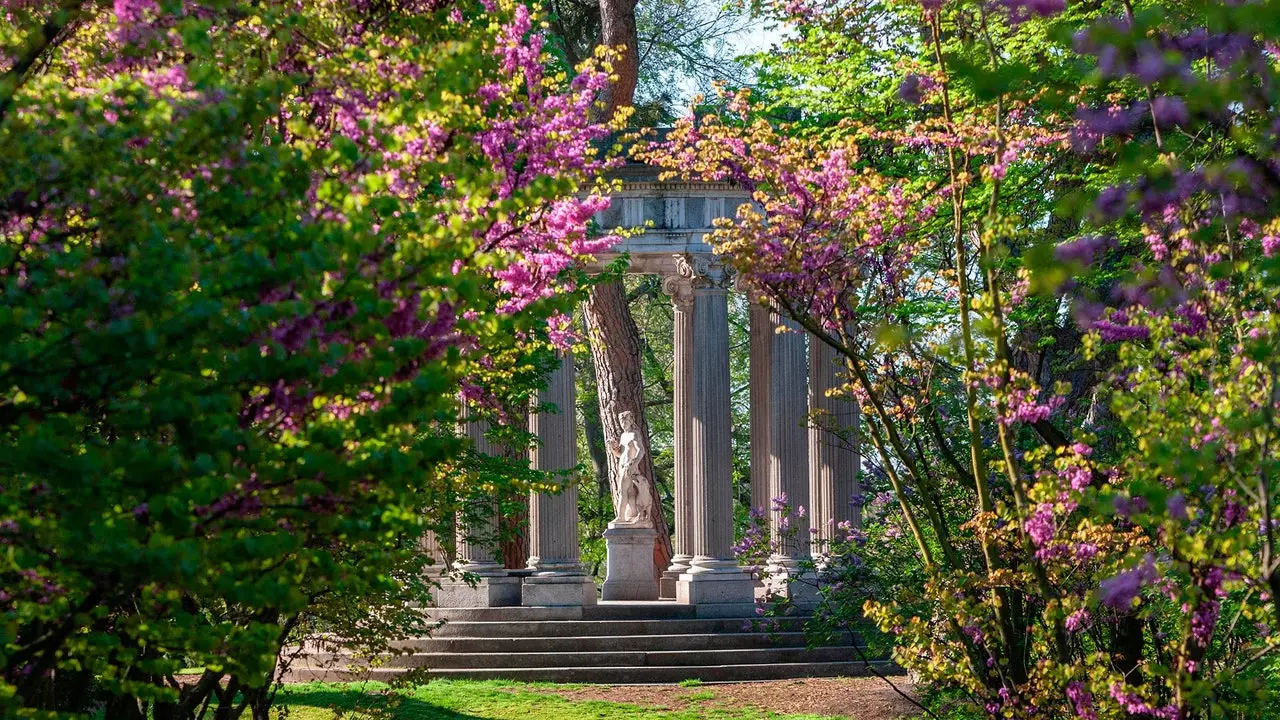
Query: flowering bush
[
  {"x": 1060, "y": 215},
  {"x": 248, "y": 255}
]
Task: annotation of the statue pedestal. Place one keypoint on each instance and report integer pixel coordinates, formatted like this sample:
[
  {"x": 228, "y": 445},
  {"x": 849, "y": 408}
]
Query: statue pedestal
[{"x": 630, "y": 574}]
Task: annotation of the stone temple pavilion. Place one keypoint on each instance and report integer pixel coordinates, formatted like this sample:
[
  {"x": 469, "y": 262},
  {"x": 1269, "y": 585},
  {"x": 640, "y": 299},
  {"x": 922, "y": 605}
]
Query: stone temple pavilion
[
  {"x": 544, "y": 622},
  {"x": 791, "y": 454}
]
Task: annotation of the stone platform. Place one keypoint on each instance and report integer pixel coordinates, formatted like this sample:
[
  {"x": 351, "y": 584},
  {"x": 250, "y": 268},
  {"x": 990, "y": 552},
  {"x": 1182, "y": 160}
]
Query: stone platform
[{"x": 612, "y": 642}]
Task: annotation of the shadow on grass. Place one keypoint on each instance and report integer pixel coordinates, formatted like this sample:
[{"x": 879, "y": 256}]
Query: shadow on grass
[{"x": 366, "y": 702}]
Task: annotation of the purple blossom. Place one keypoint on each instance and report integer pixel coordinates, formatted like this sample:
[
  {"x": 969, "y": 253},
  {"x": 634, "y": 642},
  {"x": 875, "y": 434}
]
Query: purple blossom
[
  {"x": 1081, "y": 701},
  {"x": 1040, "y": 526},
  {"x": 1170, "y": 110},
  {"x": 1043, "y": 8},
  {"x": 1203, "y": 621},
  {"x": 1177, "y": 506},
  {"x": 1133, "y": 704},
  {"x": 1120, "y": 591},
  {"x": 1113, "y": 202},
  {"x": 1233, "y": 513},
  {"x": 1082, "y": 250},
  {"x": 1151, "y": 65},
  {"x": 1077, "y": 620},
  {"x": 1116, "y": 328},
  {"x": 913, "y": 88}
]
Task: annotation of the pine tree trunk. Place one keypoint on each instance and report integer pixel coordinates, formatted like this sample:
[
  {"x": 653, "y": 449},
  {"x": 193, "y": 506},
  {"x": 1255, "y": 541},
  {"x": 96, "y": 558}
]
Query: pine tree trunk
[
  {"x": 618, "y": 31},
  {"x": 615, "y": 339},
  {"x": 616, "y": 352}
]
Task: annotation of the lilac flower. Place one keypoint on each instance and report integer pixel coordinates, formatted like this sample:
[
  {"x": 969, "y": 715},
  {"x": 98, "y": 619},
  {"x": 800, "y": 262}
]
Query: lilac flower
[
  {"x": 1113, "y": 202},
  {"x": 1081, "y": 700},
  {"x": 913, "y": 88},
  {"x": 1043, "y": 8},
  {"x": 1120, "y": 591},
  {"x": 1117, "y": 329},
  {"x": 1170, "y": 110},
  {"x": 1151, "y": 65},
  {"x": 1082, "y": 250},
  {"x": 1133, "y": 704},
  {"x": 1040, "y": 526},
  {"x": 1126, "y": 506},
  {"x": 1233, "y": 514},
  {"x": 1177, "y": 506},
  {"x": 1203, "y": 621},
  {"x": 1077, "y": 620}
]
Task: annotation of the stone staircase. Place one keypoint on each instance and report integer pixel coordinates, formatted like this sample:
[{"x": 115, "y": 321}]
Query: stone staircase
[{"x": 612, "y": 643}]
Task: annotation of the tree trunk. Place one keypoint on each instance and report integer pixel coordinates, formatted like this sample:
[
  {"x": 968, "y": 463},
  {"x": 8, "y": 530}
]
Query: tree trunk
[
  {"x": 615, "y": 350},
  {"x": 615, "y": 339},
  {"x": 513, "y": 527},
  {"x": 618, "y": 31}
]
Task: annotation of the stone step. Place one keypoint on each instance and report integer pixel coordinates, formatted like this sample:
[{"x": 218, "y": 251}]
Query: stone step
[
  {"x": 572, "y": 628},
  {"x": 637, "y": 610},
  {"x": 601, "y": 643},
  {"x": 617, "y": 675},
  {"x": 617, "y": 658}
]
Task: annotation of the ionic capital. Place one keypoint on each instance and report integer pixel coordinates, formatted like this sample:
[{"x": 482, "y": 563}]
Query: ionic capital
[
  {"x": 705, "y": 272},
  {"x": 680, "y": 290}
]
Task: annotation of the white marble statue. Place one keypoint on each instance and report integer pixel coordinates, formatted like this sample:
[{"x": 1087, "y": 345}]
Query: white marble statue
[{"x": 634, "y": 502}]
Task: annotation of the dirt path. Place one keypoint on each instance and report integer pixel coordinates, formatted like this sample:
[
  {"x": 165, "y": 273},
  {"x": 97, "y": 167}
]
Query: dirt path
[{"x": 854, "y": 698}]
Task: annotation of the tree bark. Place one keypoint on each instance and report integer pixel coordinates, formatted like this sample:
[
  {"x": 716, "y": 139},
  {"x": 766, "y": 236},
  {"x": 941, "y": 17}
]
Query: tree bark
[
  {"x": 616, "y": 352},
  {"x": 615, "y": 339},
  {"x": 618, "y": 31}
]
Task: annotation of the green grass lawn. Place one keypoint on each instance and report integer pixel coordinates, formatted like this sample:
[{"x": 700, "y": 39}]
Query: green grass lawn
[{"x": 488, "y": 700}]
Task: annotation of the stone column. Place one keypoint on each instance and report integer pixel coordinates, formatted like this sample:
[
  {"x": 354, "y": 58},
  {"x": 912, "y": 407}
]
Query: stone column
[
  {"x": 714, "y": 583},
  {"x": 680, "y": 290},
  {"x": 477, "y": 538},
  {"x": 554, "y": 554},
  {"x": 833, "y": 448},
  {"x": 788, "y": 456},
  {"x": 761, "y": 331}
]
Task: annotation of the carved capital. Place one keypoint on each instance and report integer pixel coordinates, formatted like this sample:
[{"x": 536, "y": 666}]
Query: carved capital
[
  {"x": 705, "y": 272},
  {"x": 680, "y": 290}
]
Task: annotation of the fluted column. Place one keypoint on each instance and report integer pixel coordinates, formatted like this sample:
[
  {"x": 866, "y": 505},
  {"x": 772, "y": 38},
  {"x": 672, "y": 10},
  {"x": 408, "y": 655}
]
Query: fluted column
[
  {"x": 477, "y": 527},
  {"x": 761, "y": 331},
  {"x": 680, "y": 289},
  {"x": 833, "y": 445},
  {"x": 554, "y": 553},
  {"x": 553, "y": 519},
  {"x": 477, "y": 540},
  {"x": 788, "y": 444},
  {"x": 714, "y": 582}
]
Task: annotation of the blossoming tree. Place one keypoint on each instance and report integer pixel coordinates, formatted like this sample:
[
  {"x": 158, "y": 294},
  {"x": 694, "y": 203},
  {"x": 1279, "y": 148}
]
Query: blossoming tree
[
  {"x": 1093, "y": 519},
  {"x": 249, "y": 253}
]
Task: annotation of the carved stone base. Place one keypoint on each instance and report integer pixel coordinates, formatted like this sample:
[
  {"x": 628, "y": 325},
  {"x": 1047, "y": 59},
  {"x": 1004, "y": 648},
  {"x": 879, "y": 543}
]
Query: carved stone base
[
  {"x": 630, "y": 563},
  {"x": 799, "y": 587},
  {"x": 487, "y": 592},
  {"x": 558, "y": 591},
  {"x": 667, "y": 584},
  {"x": 718, "y": 594}
]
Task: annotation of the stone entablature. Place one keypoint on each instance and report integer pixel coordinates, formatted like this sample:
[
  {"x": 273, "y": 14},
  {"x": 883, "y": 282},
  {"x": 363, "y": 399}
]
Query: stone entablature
[{"x": 675, "y": 217}]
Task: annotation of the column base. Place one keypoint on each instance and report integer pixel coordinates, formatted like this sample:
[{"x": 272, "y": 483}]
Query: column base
[
  {"x": 717, "y": 594},
  {"x": 630, "y": 573},
  {"x": 671, "y": 576},
  {"x": 558, "y": 591},
  {"x": 801, "y": 588},
  {"x": 667, "y": 584},
  {"x": 488, "y": 591}
]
